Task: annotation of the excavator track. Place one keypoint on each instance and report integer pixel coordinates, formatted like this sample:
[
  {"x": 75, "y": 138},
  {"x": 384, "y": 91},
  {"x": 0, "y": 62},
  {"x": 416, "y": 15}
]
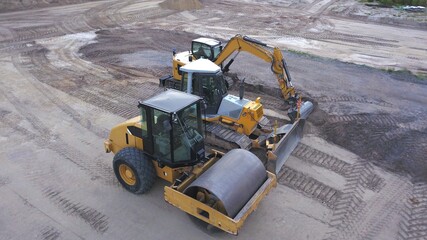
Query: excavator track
[{"x": 225, "y": 138}]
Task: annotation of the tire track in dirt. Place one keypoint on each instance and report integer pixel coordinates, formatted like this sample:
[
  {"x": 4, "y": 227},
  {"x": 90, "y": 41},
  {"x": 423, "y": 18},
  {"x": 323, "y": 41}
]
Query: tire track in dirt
[
  {"x": 414, "y": 216},
  {"x": 321, "y": 159},
  {"x": 97, "y": 220},
  {"x": 49, "y": 233},
  {"x": 299, "y": 27},
  {"x": 45, "y": 138},
  {"x": 395, "y": 142},
  {"x": 42, "y": 176},
  {"x": 308, "y": 186},
  {"x": 106, "y": 15},
  {"x": 373, "y": 215},
  {"x": 351, "y": 202},
  {"x": 377, "y": 215},
  {"x": 31, "y": 33},
  {"x": 344, "y": 98},
  {"x": 306, "y": 153},
  {"x": 90, "y": 83},
  {"x": 318, "y": 10},
  {"x": 380, "y": 119},
  {"x": 20, "y": 61},
  {"x": 3, "y": 180}
]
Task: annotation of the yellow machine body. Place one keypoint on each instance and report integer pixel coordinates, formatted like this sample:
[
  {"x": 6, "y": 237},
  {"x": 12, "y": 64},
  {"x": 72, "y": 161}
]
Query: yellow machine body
[
  {"x": 137, "y": 164},
  {"x": 248, "y": 120},
  {"x": 120, "y": 138},
  {"x": 251, "y": 121},
  {"x": 177, "y": 198}
]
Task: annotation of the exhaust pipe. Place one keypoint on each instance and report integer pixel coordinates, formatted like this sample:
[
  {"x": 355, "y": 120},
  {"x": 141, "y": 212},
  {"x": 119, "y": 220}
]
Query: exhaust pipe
[{"x": 242, "y": 88}]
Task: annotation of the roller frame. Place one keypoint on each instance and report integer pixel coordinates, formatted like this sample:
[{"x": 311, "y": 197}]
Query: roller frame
[{"x": 175, "y": 196}]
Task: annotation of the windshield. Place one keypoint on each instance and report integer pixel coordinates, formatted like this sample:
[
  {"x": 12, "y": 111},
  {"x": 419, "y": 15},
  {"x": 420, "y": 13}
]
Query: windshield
[
  {"x": 201, "y": 50},
  {"x": 187, "y": 134},
  {"x": 212, "y": 88},
  {"x": 216, "y": 52}
]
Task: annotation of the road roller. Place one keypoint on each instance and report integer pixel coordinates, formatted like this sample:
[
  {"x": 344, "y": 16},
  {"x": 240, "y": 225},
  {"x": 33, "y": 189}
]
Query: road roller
[{"x": 167, "y": 141}]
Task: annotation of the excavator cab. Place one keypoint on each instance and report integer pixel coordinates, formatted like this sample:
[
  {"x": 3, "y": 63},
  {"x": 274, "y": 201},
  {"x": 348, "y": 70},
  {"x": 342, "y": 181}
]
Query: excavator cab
[
  {"x": 211, "y": 87},
  {"x": 201, "y": 48},
  {"x": 206, "y": 48},
  {"x": 204, "y": 78}
]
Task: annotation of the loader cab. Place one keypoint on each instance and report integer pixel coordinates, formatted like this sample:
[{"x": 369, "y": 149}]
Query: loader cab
[
  {"x": 206, "y": 48},
  {"x": 172, "y": 129},
  {"x": 204, "y": 79}
]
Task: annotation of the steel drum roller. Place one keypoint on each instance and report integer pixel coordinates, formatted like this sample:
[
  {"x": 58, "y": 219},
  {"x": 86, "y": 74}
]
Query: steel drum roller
[{"x": 233, "y": 180}]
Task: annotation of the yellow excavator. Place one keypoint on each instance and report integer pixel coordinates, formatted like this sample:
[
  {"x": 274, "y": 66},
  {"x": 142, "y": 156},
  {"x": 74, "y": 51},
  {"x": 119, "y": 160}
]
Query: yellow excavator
[
  {"x": 212, "y": 49},
  {"x": 231, "y": 121},
  {"x": 167, "y": 141}
]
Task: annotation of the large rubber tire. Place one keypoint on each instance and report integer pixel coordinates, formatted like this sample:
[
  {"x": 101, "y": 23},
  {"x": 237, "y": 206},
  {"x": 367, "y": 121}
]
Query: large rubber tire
[{"x": 140, "y": 168}]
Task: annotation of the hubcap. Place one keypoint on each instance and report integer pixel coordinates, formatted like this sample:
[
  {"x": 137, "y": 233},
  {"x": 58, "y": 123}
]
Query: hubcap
[{"x": 127, "y": 174}]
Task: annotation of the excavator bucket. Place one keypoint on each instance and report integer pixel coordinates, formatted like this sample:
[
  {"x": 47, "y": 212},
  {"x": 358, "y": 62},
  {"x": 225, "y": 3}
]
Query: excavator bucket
[{"x": 292, "y": 134}]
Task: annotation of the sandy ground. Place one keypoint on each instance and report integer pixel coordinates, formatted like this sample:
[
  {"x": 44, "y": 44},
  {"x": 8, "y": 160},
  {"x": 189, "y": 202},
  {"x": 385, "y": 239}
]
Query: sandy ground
[{"x": 70, "y": 73}]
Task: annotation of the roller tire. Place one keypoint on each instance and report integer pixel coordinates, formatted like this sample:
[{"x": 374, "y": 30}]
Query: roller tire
[{"x": 142, "y": 167}]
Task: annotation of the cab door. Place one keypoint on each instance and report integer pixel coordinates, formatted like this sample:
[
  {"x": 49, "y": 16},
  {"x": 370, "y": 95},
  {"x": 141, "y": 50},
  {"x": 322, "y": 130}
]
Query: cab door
[{"x": 146, "y": 130}]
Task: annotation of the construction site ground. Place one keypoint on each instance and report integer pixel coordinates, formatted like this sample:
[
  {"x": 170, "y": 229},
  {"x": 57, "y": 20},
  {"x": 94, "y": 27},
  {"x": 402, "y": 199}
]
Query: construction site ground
[{"x": 71, "y": 70}]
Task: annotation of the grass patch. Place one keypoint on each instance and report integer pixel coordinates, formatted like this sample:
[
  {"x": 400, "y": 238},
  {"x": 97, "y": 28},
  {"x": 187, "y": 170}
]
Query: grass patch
[
  {"x": 406, "y": 72},
  {"x": 301, "y": 53}
]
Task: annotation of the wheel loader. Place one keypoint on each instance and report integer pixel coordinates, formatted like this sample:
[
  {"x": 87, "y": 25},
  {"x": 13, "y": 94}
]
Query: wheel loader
[{"x": 167, "y": 141}]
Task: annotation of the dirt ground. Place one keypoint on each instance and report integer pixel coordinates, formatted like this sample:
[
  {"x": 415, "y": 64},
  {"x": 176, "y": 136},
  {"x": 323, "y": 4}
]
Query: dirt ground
[{"x": 69, "y": 72}]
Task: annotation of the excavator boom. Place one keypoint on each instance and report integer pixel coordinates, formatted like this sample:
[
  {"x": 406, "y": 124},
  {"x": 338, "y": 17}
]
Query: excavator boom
[{"x": 263, "y": 51}]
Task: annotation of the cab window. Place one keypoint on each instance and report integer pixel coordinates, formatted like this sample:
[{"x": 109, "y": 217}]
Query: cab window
[
  {"x": 201, "y": 50},
  {"x": 162, "y": 135},
  {"x": 184, "y": 82},
  {"x": 144, "y": 122},
  {"x": 216, "y": 51}
]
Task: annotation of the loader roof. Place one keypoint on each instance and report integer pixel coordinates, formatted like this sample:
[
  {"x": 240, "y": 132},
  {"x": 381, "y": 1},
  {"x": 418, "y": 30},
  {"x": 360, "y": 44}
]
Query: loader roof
[{"x": 170, "y": 101}]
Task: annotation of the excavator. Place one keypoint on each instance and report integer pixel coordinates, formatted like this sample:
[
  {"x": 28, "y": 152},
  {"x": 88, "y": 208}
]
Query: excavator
[
  {"x": 231, "y": 121},
  {"x": 166, "y": 141},
  {"x": 212, "y": 49}
]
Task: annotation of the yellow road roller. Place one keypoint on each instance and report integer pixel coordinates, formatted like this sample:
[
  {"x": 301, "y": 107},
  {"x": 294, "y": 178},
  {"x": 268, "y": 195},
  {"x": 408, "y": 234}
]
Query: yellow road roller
[{"x": 167, "y": 141}]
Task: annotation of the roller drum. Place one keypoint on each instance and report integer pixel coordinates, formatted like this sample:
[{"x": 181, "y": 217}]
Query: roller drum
[{"x": 233, "y": 180}]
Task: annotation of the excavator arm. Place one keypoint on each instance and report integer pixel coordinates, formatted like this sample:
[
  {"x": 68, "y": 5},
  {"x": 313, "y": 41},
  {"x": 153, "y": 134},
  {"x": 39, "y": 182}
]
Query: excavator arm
[{"x": 263, "y": 51}]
